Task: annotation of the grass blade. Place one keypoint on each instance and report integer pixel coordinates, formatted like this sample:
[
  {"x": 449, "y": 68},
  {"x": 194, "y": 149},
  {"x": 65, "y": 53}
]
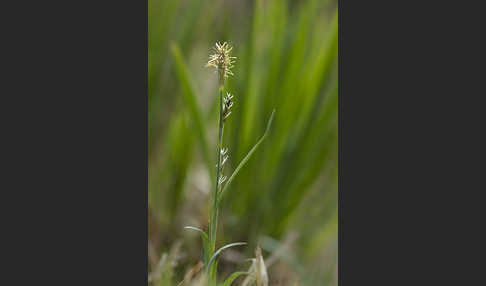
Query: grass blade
[
  {"x": 254, "y": 75},
  {"x": 223, "y": 248},
  {"x": 190, "y": 98},
  {"x": 204, "y": 236},
  {"x": 213, "y": 273},
  {"x": 247, "y": 157},
  {"x": 233, "y": 276}
]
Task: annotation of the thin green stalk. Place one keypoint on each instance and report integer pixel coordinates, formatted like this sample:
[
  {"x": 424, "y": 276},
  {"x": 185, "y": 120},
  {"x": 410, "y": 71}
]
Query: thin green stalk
[
  {"x": 214, "y": 209},
  {"x": 213, "y": 223},
  {"x": 222, "y": 61}
]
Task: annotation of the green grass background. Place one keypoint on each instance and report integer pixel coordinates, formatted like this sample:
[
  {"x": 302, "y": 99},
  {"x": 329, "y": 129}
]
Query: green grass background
[{"x": 286, "y": 196}]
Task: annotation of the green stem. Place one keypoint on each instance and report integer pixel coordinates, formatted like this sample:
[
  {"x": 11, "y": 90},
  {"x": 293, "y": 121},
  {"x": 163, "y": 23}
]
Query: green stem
[
  {"x": 213, "y": 222},
  {"x": 214, "y": 209}
]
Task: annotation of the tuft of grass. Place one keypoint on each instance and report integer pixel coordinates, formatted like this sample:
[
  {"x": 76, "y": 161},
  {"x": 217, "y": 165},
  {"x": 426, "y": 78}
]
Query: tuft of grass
[
  {"x": 287, "y": 60},
  {"x": 223, "y": 63},
  {"x": 190, "y": 99}
]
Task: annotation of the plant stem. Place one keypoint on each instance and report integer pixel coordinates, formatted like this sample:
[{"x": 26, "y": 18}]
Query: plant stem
[{"x": 213, "y": 224}]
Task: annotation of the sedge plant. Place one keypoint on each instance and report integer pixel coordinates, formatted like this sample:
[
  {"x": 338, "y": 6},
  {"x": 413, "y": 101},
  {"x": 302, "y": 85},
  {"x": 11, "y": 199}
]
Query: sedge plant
[
  {"x": 222, "y": 61},
  {"x": 287, "y": 59}
]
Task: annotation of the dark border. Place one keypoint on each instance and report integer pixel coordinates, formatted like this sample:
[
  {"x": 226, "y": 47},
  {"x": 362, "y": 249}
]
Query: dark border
[{"x": 77, "y": 156}]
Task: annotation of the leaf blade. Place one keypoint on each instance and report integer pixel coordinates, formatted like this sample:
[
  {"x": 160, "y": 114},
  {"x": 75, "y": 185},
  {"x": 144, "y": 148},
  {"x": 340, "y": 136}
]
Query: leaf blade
[
  {"x": 223, "y": 248},
  {"x": 190, "y": 98},
  {"x": 205, "y": 239},
  {"x": 245, "y": 160}
]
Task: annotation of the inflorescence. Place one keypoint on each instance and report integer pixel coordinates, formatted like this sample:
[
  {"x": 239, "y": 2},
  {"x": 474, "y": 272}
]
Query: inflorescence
[{"x": 222, "y": 61}]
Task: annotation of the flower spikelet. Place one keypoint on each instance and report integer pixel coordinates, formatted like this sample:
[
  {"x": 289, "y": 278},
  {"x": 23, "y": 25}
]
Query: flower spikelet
[
  {"x": 227, "y": 104},
  {"x": 222, "y": 61}
]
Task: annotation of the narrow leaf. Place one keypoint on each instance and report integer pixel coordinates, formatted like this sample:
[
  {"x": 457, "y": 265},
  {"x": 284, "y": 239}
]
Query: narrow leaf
[
  {"x": 190, "y": 99},
  {"x": 233, "y": 276},
  {"x": 213, "y": 273},
  {"x": 223, "y": 248},
  {"x": 197, "y": 229},
  {"x": 247, "y": 157},
  {"x": 205, "y": 239}
]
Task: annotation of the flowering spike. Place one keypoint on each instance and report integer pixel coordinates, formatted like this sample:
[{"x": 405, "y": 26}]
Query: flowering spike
[
  {"x": 227, "y": 104},
  {"x": 224, "y": 160},
  {"x": 222, "y": 179},
  {"x": 222, "y": 61},
  {"x": 226, "y": 115},
  {"x": 224, "y": 151}
]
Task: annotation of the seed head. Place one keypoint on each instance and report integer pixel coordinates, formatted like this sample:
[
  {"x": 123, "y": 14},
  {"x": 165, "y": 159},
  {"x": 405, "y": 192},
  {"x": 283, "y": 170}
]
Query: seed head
[
  {"x": 224, "y": 151},
  {"x": 222, "y": 179},
  {"x": 222, "y": 61},
  {"x": 225, "y": 158},
  {"x": 227, "y": 104}
]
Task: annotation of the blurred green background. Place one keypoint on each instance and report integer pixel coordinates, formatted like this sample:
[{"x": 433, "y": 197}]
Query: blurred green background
[{"x": 285, "y": 198}]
